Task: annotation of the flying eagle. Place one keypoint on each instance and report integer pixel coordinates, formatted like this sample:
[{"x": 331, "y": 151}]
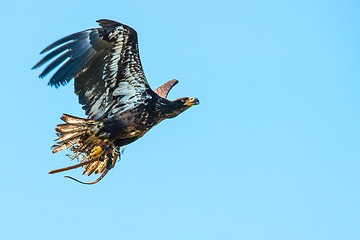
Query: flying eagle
[{"x": 110, "y": 83}]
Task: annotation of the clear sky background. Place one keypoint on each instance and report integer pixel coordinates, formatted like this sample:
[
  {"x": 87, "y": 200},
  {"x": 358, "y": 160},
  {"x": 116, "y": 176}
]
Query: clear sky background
[{"x": 271, "y": 153}]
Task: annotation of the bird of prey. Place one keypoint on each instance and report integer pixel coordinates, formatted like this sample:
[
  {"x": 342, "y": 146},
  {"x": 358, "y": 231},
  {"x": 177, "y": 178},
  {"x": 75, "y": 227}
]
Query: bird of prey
[{"x": 111, "y": 86}]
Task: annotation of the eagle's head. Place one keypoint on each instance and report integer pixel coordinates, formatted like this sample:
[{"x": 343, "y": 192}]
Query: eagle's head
[{"x": 176, "y": 107}]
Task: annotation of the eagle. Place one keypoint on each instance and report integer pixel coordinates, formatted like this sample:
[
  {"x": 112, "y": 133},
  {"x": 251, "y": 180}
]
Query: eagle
[{"x": 111, "y": 87}]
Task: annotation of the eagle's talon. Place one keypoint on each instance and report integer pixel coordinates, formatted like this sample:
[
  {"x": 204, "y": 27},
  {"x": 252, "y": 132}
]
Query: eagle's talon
[{"x": 96, "y": 152}]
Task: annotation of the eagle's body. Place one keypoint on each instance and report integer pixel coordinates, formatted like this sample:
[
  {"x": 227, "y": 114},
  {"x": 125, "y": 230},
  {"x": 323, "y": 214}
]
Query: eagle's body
[{"x": 111, "y": 86}]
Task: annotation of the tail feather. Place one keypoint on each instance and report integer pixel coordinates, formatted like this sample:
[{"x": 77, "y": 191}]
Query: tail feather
[
  {"x": 90, "y": 168},
  {"x": 70, "y": 136},
  {"x": 67, "y": 128},
  {"x": 80, "y": 136},
  {"x": 101, "y": 167},
  {"x": 75, "y": 132},
  {"x": 62, "y": 146},
  {"x": 74, "y": 120}
]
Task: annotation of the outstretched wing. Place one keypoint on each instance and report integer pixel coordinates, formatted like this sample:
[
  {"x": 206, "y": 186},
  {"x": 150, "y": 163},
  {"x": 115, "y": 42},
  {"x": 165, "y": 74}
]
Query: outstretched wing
[
  {"x": 164, "y": 89},
  {"x": 105, "y": 64}
]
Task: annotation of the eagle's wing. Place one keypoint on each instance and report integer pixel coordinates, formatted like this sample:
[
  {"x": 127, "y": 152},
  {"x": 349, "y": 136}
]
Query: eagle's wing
[
  {"x": 164, "y": 89},
  {"x": 106, "y": 66}
]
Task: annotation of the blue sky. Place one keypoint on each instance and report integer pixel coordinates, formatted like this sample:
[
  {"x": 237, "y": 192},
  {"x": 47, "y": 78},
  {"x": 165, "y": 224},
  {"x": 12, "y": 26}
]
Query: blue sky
[{"x": 272, "y": 151}]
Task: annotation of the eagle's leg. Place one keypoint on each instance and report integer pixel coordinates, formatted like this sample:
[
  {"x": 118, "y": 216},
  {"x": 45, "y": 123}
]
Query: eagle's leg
[
  {"x": 108, "y": 155},
  {"x": 109, "y": 163}
]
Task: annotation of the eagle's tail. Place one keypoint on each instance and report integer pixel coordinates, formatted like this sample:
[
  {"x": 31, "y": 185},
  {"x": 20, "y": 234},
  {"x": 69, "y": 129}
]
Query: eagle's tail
[
  {"x": 75, "y": 132},
  {"x": 80, "y": 136}
]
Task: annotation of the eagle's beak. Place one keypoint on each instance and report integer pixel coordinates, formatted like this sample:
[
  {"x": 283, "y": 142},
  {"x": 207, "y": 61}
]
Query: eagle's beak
[{"x": 192, "y": 102}]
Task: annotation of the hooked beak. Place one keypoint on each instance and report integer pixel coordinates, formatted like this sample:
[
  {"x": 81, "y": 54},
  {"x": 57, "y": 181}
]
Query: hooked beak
[{"x": 192, "y": 102}]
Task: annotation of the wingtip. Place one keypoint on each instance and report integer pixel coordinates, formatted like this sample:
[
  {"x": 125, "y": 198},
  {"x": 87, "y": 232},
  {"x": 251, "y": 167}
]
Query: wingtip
[
  {"x": 175, "y": 81},
  {"x": 46, "y": 49},
  {"x": 107, "y": 22},
  {"x": 37, "y": 65}
]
